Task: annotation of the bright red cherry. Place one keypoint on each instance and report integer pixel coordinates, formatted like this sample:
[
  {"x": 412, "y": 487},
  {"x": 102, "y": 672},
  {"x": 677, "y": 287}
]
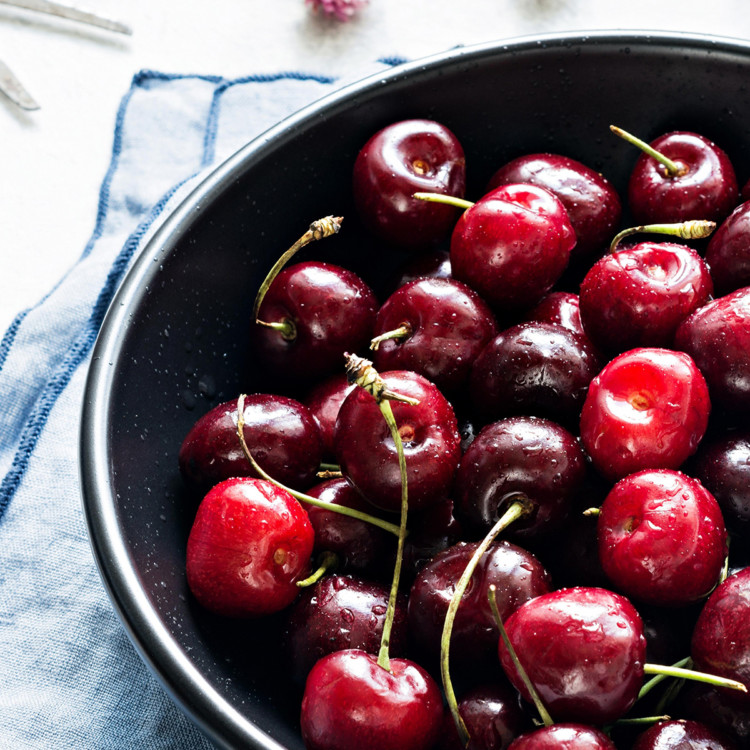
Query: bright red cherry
[
  {"x": 638, "y": 296},
  {"x": 727, "y": 254},
  {"x": 352, "y": 702},
  {"x": 705, "y": 187},
  {"x": 583, "y": 650},
  {"x": 647, "y": 409},
  {"x": 662, "y": 538},
  {"x": 512, "y": 245},
  {"x": 564, "y": 736},
  {"x": 249, "y": 545},
  {"x": 404, "y": 158},
  {"x": 592, "y": 203}
]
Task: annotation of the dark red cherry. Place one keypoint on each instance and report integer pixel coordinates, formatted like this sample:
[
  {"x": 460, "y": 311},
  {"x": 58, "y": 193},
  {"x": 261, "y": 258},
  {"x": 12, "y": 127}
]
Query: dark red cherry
[
  {"x": 727, "y": 253},
  {"x": 429, "y": 432},
  {"x": 533, "y": 368},
  {"x": 404, "y": 158},
  {"x": 647, "y": 409},
  {"x": 358, "y": 545},
  {"x": 517, "y": 575},
  {"x": 682, "y": 734},
  {"x": 337, "y": 613},
  {"x": 638, "y": 296},
  {"x": 709, "y": 705},
  {"x": 566, "y": 736},
  {"x": 324, "y": 401},
  {"x": 592, "y": 203},
  {"x": 444, "y": 325},
  {"x": 512, "y": 245},
  {"x": 527, "y": 455},
  {"x": 280, "y": 433},
  {"x": 722, "y": 464},
  {"x": 326, "y": 310},
  {"x": 717, "y": 337},
  {"x": 351, "y": 702},
  {"x": 492, "y": 715},
  {"x": 705, "y": 187},
  {"x": 583, "y": 650},
  {"x": 431, "y": 264},
  {"x": 721, "y": 638},
  {"x": 662, "y": 538},
  {"x": 562, "y": 308},
  {"x": 249, "y": 545}
]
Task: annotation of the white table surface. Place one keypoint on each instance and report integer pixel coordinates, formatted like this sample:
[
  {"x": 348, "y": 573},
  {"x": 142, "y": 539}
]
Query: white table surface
[{"x": 54, "y": 159}]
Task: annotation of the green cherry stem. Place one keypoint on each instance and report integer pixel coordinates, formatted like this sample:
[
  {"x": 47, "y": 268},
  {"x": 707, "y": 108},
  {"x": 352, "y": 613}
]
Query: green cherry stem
[
  {"x": 318, "y": 230},
  {"x": 400, "y": 333},
  {"x": 522, "y": 673},
  {"x": 328, "y": 561},
  {"x": 673, "y": 168},
  {"x": 448, "y": 200},
  {"x": 654, "y": 681},
  {"x": 301, "y": 496},
  {"x": 518, "y": 509},
  {"x": 696, "y": 229},
  {"x": 691, "y": 674}
]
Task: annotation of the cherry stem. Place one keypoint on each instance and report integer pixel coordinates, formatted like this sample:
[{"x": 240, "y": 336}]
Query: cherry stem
[
  {"x": 400, "y": 333},
  {"x": 638, "y": 720},
  {"x": 673, "y": 169},
  {"x": 448, "y": 200},
  {"x": 654, "y": 681},
  {"x": 697, "y": 229},
  {"x": 285, "y": 327},
  {"x": 592, "y": 512},
  {"x": 691, "y": 674},
  {"x": 518, "y": 509},
  {"x": 328, "y": 561},
  {"x": 522, "y": 673},
  {"x": 301, "y": 496},
  {"x": 360, "y": 372},
  {"x": 318, "y": 230}
]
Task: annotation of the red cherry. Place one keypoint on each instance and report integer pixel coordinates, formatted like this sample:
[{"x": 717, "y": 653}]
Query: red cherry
[
  {"x": 512, "y": 245},
  {"x": 727, "y": 254},
  {"x": 562, "y": 308},
  {"x": 402, "y": 159},
  {"x": 351, "y": 702},
  {"x": 705, "y": 187},
  {"x": 324, "y": 401},
  {"x": 592, "y": 203},
  {"x": 681, "y": 734},
  {"x": 583, "y": 650},
  {"x": 564, "y": 736},
  {"x": 639, "y": 295},
  {"x": 647, "y": 409},
  {"x": 249, "y": 545},
  {"x": 428, "y": 430},
  {"x": 662, "y": 538}
]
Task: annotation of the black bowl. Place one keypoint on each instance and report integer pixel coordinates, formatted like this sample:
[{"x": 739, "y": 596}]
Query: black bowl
[{"x": 174, "y": 343}]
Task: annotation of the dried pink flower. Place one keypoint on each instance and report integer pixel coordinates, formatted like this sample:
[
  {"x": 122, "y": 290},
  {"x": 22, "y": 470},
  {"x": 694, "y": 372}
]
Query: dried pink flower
[{"x": 343, "y": 10}]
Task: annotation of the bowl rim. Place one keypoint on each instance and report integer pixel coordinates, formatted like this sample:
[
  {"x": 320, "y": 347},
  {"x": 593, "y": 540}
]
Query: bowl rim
[{"x": 154, "y": 643}]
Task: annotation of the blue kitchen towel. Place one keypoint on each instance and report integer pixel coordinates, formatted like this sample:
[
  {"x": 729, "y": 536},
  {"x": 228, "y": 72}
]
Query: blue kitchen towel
[{"x": 69, "y": 677}]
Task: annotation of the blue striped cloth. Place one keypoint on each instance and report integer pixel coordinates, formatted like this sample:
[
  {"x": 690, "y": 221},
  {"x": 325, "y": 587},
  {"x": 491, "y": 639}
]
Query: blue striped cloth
[{"x": 69, "y": 677}]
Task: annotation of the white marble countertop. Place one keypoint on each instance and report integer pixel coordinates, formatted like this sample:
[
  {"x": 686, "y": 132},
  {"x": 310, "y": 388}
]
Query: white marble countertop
[{"x": 54, "y": 159}]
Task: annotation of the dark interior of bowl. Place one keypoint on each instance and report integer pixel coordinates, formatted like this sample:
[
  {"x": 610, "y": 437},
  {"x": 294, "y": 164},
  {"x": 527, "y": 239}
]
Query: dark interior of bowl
[{"x": 175, "y": 342}]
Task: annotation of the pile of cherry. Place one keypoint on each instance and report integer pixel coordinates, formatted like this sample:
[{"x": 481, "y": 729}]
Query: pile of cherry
[{"x": 608, "y": 423}]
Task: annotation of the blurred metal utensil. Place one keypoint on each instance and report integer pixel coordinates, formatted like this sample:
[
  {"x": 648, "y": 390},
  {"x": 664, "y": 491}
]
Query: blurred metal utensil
[
  {"x": 14, "y": 90},
  {"x": 72, "y": 14}
]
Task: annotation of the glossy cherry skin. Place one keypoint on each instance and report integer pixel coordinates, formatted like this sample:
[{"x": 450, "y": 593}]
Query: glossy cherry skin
[
  {"x": 528, "y": 455},
  {"x": 565, "y": 736},
  {"x": 562, "y": 308},
  {"x": 332, "y": 311},
  {"x": 324, "y": 401},
  {"x": 727, "y": 253},
  {"x": 722, "y": 464},
  {"x": 492, "y": 715},
  {"x": 280, "y": 433},
  {"x": 710, "y": 706},
  {"x": 431, "y": 264},
  {"x": 517, "y": 575},
  {"x": 404, "y": 158},
  {"x": 512, "y": 245},
  {"x": 707, "y": 189},
  {"x": 680, "y": 734},
  {"x": 647, "y": 409},
  {"x": 340, "y": 612},
  {"x": 358, "y": 545},
  {"x": 638, "y": 296},
  {"x": 584, "y": 651},
  {"x": 351, "y": 702},
  {"x": 429, "y": 433},
  {"x": 721, "y": 638},
  {"x": 662, "y": 538},
  {"x": 717, "y": 337},
  {"x": 249, "y": 545},
  {"x": 448, "y": 323},
  {"x": 592, "y": 203},
  {"x": 533, "y": 368}
]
